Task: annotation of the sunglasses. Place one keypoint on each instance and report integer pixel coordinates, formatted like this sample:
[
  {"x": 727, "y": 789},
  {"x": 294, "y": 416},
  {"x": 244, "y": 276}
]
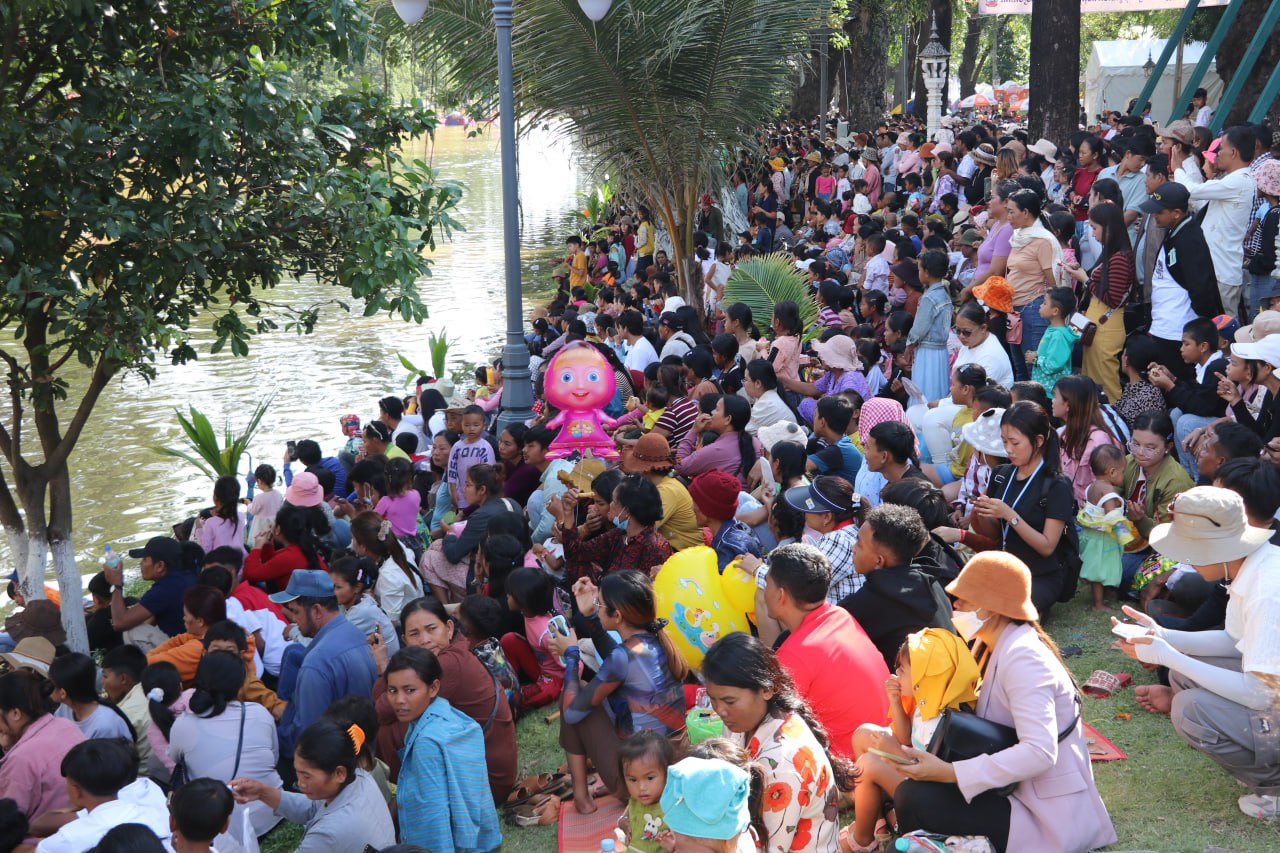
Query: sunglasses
[{"x": 963, "y": 333}]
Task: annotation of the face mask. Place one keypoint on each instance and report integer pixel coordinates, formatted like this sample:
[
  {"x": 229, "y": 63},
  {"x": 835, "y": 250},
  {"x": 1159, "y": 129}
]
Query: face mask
[
  {"x": 620, "y": 523},
  {"x": 967, "y": 623}
]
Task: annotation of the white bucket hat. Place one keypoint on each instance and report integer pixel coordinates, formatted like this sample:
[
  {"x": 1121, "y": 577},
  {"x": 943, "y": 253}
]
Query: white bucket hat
[{"x": 983, "y": 433}]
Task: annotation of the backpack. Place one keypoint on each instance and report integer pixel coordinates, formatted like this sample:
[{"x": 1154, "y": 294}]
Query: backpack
[{"x": 1068, "y": 550}]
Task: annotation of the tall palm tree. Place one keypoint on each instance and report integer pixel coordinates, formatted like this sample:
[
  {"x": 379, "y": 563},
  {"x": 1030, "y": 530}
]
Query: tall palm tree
[{"x": 661, "y": 93}]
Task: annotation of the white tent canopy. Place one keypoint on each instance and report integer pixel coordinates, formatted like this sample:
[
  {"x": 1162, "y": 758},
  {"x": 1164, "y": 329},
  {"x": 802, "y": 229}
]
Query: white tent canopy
[{"x": 1115, "y": 75}]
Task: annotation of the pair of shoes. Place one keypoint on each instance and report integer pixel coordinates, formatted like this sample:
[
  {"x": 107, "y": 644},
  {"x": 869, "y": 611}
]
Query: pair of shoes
[{"x": 1260, "y": 806}]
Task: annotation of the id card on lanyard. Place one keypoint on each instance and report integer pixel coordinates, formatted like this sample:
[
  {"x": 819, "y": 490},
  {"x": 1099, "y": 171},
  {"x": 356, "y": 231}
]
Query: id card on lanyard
[{"x": 1004, "y": 525}]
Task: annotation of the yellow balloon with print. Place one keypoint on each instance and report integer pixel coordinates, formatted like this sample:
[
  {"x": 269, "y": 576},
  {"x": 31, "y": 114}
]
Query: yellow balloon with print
[{"x": 692, "y": 597}]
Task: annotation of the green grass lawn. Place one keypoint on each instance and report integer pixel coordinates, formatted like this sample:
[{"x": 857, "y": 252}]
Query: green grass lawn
[{"x": 1164, "y": 797}]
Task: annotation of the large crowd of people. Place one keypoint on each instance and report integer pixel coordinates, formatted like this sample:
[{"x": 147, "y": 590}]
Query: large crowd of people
[{"x": 1021, "y": 367}]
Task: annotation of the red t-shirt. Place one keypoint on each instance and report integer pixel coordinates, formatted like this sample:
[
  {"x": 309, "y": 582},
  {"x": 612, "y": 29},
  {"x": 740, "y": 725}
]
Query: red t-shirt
[{"x": 839, "y": 672}]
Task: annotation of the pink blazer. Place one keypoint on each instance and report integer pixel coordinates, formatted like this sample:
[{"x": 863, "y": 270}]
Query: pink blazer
[{"x": 1056, "y": 806}]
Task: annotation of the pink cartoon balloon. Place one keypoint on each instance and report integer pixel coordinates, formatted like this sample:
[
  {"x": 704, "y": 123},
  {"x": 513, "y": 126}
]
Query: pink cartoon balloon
[{"x": 579, "y": 382}]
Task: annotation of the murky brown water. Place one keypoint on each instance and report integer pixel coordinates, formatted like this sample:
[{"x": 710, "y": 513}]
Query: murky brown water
[{"x": 124, "y": 492}]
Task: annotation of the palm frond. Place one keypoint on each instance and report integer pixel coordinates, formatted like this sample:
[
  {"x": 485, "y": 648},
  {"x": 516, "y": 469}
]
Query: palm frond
[
  {"x": 763, "y": 282},
  {"x": 215, "y": 459}
]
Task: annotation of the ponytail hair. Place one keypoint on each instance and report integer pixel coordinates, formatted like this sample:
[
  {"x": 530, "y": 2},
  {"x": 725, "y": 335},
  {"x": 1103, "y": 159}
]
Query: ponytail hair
[
  {"x": 328, "y": 746},
  {"x": 1032, "y": 420},
  {"x": 162, "y": 685},
  {"x": 742, "y": 661},
  {"x": 488, "y": 477},
  {"x": 399, "y": 476},
  {"x": 356, "y": 571},
  {"x": 630, "y": 595},
  {"x": 303, "y": 526},
  {"x": 738, "y": 410},
  {"x": 375, "y": 535}
]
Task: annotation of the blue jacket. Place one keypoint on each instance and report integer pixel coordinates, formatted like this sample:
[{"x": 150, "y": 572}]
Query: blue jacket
[
  {"x": 442, "y": 793},
  {"x": 330, "y": 464},
  {"x": 337, "y": 663}
]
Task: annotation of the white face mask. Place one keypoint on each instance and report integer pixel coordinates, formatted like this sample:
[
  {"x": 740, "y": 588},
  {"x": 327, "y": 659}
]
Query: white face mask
[{"x": 967, "y": 623}]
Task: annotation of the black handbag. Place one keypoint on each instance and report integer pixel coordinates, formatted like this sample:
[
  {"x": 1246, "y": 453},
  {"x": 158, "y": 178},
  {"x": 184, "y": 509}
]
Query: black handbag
[{"x": 962, "y": 735}]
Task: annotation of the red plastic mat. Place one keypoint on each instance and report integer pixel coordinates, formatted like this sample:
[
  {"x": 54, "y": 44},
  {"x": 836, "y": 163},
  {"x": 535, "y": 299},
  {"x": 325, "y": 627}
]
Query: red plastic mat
[
  {"x": 582, "y": 833},
  {"x": 1101, "y": 749}
]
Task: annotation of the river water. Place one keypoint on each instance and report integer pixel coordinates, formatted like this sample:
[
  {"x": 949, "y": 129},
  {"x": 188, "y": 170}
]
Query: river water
[{"x": 124, "y": 492}]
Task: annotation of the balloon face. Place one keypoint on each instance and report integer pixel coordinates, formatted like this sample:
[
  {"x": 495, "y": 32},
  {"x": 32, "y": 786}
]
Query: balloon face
[
  {"x": 691, "y": 595},
  {"x": 579, "y": 378}
]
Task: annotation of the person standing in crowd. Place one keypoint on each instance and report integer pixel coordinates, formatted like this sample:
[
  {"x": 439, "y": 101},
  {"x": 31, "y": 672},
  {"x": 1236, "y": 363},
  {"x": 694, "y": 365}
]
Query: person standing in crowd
[
  {"x": 1225, "y": 206},
  {"x": 1182, "y": 282},
  {"x": 1034, "y": 255},
  {"x": 1107, "y": 287}
]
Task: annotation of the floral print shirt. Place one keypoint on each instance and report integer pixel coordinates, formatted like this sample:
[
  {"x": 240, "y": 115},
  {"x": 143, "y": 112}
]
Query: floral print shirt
[{"x": 800, "y": 800}]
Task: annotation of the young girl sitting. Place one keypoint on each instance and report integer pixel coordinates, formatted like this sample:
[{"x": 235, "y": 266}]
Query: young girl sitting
[
  {"x": 74, "y": 678},
  {"x": 643, "y": 759},
  {"x": 784, "y": 354},
  {"x": 1104, "y": 529},
  {"x": 225, "y": 525},
  {"x": 529, "y": 593},
  {"x": 166, "y": 701},
  {"x": 352, "y": 578},
  {"x": 935, "y": 670},
  {"x": 266, "y": 503},
  {"x": 1052, "y": 360}
]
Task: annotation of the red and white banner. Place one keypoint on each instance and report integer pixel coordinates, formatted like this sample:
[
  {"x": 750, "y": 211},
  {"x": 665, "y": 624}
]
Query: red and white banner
[{"x": 1023, "y": 7}]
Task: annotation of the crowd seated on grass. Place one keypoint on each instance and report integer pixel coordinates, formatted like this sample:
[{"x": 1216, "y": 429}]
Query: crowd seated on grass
[{"x": 1006, "y": 371}]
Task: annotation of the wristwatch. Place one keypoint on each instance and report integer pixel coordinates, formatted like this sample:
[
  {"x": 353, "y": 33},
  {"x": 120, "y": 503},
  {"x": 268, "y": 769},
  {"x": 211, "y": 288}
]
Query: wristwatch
[{"x": 1015, "y": 521}]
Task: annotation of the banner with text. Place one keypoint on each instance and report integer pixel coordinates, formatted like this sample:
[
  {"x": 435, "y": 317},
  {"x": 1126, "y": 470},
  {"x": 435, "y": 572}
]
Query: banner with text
[{"x": 1023, "y": 7}]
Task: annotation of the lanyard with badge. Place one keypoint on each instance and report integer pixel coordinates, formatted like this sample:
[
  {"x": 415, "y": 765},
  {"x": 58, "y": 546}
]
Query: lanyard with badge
[{"x": 1004, "y": 525}]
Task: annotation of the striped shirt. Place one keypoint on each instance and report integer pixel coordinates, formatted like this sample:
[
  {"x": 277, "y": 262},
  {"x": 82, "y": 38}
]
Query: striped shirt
[{"x": 677, "y": 418}]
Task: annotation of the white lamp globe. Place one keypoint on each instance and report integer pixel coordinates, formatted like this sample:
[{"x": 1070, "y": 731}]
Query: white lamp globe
[
  {"x": 410, "y": 11},
  {"x": 595, "y": 9}
]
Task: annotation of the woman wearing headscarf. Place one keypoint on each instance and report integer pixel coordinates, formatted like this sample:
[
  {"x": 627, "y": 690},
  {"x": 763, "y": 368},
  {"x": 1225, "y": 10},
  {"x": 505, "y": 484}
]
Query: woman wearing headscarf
[{"x": 875, "y": 411}]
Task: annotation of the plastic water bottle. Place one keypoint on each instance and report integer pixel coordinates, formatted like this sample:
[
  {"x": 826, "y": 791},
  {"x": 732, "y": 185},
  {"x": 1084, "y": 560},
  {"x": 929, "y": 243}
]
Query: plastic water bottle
[
  {"x": 607, "y": 845},
  {"x": 110, "y": 558},
  {"x": 920, "y": 844}
]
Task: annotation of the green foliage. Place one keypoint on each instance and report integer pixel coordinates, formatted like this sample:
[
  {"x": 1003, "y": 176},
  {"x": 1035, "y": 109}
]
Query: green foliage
[
  {"x": 765, "y": 281},
  {"x": 163, "y": 163},
  {"x": 215, "y": 459},
  {"x": 654, "y": 92},
  {"x": 439, "y": 353}
]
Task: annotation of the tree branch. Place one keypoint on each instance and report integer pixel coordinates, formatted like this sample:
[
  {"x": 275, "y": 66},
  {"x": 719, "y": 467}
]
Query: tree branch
[
  {"x": 12, "y": 446},
  {"x": 102, "y": 374}
]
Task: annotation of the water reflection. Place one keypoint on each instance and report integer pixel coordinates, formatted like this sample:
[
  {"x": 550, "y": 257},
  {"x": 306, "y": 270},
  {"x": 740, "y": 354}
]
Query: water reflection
[{"x": 125, "y": 493}]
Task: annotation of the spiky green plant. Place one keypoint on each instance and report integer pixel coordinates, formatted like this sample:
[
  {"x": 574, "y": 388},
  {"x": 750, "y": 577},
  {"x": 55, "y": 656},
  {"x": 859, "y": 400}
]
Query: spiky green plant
[
  {"x": 765, "y": 281},
  {"x": 439, "y": 353},
  {"x": 215, "y": 459}
]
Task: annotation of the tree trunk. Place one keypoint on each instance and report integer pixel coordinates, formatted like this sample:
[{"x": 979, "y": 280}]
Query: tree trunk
[
  {"x": 806, "y": 97},
  {"x": 867, "y": 28},
  {"x": 939, "y": 10},
  {"x": 1055, "y": 73},
  {"x": 968, "y": 70},
  {"x": 1248, "y": 21},
  {"x": 70, "y": 586}
]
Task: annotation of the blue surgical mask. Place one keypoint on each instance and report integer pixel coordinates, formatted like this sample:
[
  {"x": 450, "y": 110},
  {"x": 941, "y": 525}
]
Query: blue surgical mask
[{"x": 620, "y": 523}]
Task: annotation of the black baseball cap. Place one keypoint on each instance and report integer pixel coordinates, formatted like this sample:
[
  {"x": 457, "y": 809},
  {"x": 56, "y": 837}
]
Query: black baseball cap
[
  {"x": 1170, "y": 196},
  {"x": 161, "y": 549}
]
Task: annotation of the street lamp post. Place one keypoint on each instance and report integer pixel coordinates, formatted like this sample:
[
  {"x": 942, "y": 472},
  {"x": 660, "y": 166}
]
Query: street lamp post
[
  {"x": 517, "y": 381},
  {"x": 933, "y": 61}
]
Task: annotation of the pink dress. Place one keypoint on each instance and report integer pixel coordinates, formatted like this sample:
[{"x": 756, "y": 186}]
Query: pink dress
[
  {"x": 1079, "y": 472},
  {"x": 787, "y": 362}
]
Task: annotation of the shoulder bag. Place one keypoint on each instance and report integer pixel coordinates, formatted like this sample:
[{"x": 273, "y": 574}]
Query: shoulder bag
[
  {"x": 962, "y": 735},
  {"x": 180, "y": 776}
]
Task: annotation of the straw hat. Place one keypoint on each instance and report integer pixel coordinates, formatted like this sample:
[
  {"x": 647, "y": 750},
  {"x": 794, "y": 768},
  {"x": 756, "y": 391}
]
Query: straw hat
[
  {"x": 813, "y": 157},
  {"x": 984, "y": 154},
  {"x": 983, "y": 433},
  {"x": 1045, "y": 149},
  {"x": 583, "y": 474},
  {"x": 1180, "y": 131},
  {"x": 998, "y": 582},
  {"x": 1209, "y": 527}
]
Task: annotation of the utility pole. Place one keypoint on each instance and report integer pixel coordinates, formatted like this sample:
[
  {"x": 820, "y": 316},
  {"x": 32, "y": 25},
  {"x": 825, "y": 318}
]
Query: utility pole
[{"x": 995, "y": 52}]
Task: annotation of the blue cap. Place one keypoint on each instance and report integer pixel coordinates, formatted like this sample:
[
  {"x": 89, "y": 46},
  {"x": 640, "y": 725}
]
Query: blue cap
[
  {"x": 706, "y": 798},
  {"x": 305, "y": 583}
]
